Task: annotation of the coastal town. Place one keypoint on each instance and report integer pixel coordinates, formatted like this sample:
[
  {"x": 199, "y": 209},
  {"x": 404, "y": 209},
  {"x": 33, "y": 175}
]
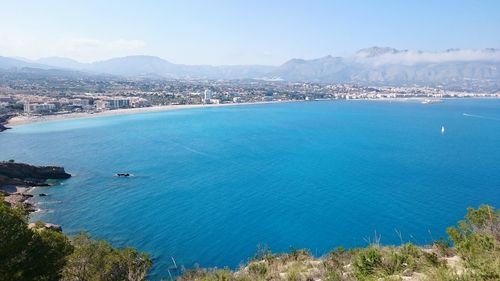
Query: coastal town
[{"x": 28, "y": 97}]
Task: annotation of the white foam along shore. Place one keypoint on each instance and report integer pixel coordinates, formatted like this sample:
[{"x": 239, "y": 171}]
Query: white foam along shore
[
  {"x": 25, "y": 119},
  {"x": 28, "y": 119}
]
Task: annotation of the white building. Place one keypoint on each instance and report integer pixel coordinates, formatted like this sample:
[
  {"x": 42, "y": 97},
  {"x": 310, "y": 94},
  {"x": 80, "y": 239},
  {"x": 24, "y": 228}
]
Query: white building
[
  {"x": 118, "y": 103},
  {"x": 138, "y": 102},
  {"x": 81, "y": 102},
  {"x": 32, "y": 108},
  {"x": 207, "y": 95},
  {"x": 101, "y": 105}
]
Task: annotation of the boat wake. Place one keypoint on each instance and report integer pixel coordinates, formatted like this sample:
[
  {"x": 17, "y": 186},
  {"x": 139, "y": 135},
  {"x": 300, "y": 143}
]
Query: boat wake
[
  {"x": 480, "y": 116},
  {"x": 192, "y": 149},
  {"x": 195, "y": 151}
]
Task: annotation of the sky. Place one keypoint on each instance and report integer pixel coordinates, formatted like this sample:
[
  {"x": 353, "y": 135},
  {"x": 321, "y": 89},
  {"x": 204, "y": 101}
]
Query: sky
[{"x": 237, "y": 32}]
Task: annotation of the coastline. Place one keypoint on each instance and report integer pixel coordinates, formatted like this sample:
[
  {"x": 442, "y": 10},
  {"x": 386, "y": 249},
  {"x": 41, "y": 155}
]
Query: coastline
[
  {"x": 18, "y": 180},
  {"x": 23, "y": 120}
]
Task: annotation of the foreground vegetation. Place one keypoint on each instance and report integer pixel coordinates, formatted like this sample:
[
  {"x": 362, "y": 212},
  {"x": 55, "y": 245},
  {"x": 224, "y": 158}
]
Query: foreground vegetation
[
  {"x": 476, "y": 256},
  {"x": 41, "y": 254},
  {"x": 44, "y": 254}
]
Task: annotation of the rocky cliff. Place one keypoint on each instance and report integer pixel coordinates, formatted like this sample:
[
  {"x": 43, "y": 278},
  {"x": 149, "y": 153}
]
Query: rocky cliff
[
  {"x": 16, "y": 178},
  {"x": 20, "y": 174},
  {"x": 3, "y": 121}
]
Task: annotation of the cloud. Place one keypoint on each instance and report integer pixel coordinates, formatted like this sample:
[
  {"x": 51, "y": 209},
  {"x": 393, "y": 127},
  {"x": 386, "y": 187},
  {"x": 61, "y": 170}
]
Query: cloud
[
  {"x": 409, "y": 57},
  {"x": 82, "y": 49}
]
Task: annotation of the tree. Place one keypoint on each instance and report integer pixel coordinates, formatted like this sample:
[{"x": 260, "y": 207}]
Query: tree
[
  {"x": 96, "y": 260},
  {"x": 477, "y": 241},
  {"x": 29, "y": 254}
]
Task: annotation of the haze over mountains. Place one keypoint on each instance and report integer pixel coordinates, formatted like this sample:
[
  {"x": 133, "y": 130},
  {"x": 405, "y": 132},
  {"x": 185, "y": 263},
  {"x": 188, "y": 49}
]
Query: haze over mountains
[{"x": 376, "y": 65}]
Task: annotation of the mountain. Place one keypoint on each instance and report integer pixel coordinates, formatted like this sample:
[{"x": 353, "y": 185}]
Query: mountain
[
  {"x": 332, "y": 69},
  {"x": 151, "y": 66},
  {"x": 136, "y": 66},
  {"x": 154, "y": 66},
  {"x": 377, "y": 51},
  {"x": 60, "y": 62},
  {"x": 15, "y": 63},
  {"x": 370, "y": 66},
  {"x": 388, "y": 66}
]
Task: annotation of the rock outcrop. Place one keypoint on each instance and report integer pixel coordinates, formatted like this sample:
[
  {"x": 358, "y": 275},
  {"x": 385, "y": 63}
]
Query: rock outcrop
[
  {"x": 3, "y": 128},
  {"x": 43, "y": 226},
  {"x": 16, "y": 178},
  {"x": 19, "y": 174},
  {"x": 3, "y": 121}
]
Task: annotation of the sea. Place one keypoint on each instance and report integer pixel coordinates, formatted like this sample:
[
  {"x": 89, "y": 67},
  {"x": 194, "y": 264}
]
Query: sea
[{"x": 208, "y": 185}]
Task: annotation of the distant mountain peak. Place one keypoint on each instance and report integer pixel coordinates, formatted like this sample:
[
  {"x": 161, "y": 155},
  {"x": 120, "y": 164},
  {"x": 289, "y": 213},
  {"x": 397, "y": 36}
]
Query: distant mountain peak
[
  {"x": 61, "y": 62},
  {"x": 136, "y": 58},
  {"x": 56, "y": 58},
  {"x": 491, "y": 50},
  {"x": 377, "y": 51},
  {"x": 295, "y": 61}
]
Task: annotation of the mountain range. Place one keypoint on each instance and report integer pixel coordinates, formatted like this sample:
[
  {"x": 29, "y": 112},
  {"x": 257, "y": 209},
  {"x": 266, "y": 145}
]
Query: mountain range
[{"x": 375, "y": 65}]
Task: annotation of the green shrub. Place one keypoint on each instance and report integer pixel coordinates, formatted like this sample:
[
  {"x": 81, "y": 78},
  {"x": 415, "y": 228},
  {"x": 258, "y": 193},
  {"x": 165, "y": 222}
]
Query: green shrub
[
  {"x": 103, "y": 262},
  {"x": 442, "y": 246},
  {"x": 432, "y": 260},
  {"x": 27, "y": 254},
  {"x": 296, "y": 255},
  {"x": 258, "y": 268},
  {"x": 404, "y": 257},
  {"x": 477, "y": 241},
  {"x": 208, "y": 275},
  {"x": 335, "y": 263},
  {"x": 367, "y": 262},
  {"x": 220, "y": 275}
]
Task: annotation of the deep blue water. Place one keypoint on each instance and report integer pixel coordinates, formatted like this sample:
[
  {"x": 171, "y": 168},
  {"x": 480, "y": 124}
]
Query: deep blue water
[{"x": 210, "y": 184}]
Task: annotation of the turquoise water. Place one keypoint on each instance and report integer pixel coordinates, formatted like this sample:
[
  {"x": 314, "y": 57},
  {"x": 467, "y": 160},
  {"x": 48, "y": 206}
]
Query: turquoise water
[{"x": 210, "y": 184}]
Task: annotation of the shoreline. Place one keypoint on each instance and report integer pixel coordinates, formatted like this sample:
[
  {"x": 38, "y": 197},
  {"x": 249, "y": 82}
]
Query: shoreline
[
  {"x": 24, "y": 120},
  {"x": 18, "y": 180}
]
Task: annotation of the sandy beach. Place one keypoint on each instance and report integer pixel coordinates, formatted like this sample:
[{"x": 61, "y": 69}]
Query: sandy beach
[{"x": 24, "y": 119}]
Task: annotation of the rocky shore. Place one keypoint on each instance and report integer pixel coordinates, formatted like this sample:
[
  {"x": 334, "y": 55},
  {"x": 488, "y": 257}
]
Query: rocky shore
[
  {"x": 16, "y": 180},
  {"x": 4, "y": 119}
]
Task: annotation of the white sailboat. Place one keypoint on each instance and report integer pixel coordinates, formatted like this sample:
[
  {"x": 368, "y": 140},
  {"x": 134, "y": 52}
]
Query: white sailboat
[{"x": 442, "y": 129}]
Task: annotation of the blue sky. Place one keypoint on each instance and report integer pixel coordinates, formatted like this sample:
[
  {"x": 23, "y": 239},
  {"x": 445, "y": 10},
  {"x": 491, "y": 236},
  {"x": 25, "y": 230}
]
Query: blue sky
[{"x": 240, "y": 32}]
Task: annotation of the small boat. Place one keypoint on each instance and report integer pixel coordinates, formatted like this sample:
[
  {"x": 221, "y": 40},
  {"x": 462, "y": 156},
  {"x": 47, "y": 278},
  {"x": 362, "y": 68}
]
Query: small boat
[
  {"x": 123, "y": 175},
  {"x": 442, "y": 129}
]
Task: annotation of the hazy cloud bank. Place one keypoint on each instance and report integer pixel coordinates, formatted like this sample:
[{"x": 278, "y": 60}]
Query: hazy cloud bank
[{"x": 379, "y": 56}]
